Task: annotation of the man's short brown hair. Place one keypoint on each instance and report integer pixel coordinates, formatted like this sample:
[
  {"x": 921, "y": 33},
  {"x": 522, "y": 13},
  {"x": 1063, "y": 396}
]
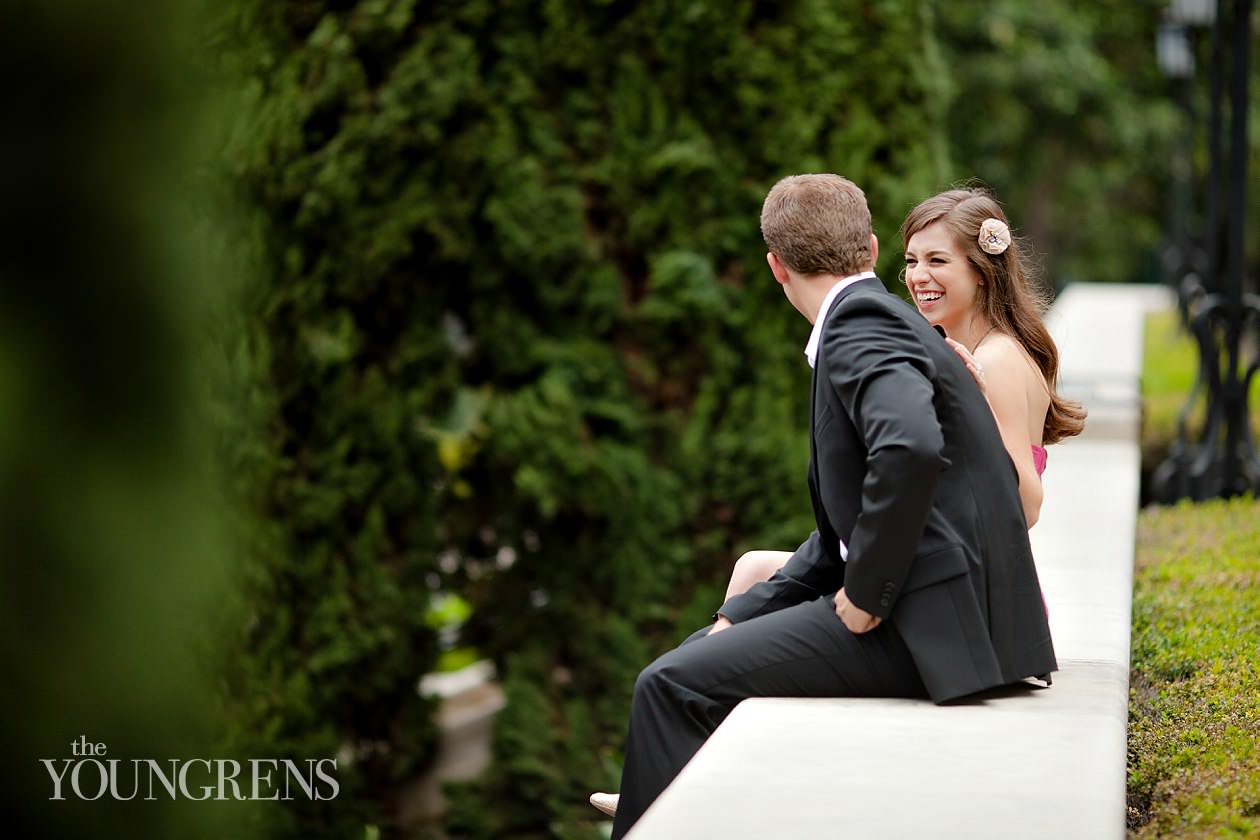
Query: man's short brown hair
[{"x": 818, "y": 224}]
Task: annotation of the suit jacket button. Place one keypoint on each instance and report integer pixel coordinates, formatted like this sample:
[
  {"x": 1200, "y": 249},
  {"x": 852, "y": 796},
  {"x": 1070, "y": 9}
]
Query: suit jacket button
[{"x": 883, "y": 602}]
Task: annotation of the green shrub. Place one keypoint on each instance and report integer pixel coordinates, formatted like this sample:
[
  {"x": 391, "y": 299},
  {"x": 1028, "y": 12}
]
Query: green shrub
[
  {"x": 1194, "y": 714},
  {"x": 643, "y": 401},
  {"x": 514, "y": 337}
]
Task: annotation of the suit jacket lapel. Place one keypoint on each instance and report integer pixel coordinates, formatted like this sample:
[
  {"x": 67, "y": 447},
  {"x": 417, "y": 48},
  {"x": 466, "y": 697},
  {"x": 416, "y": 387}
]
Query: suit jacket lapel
[
  {"x": 826, "y": 529},
  {"x": 870, "y": 283}
]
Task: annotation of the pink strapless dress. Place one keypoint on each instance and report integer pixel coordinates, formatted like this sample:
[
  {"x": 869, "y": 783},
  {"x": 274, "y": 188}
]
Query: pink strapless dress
[
  {"x": 1039, "y": 461},
  {"x": 1039, "y": 458}
]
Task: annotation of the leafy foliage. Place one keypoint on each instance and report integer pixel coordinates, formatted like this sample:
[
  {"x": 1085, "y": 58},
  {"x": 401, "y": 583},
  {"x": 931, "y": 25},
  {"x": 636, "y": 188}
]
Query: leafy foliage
[
  {"x": 644, "y": 398},
  {"x": 116, "y": 561},
  {"x": 1060, "y": 107},
  {"x": 519, "y": 343}
]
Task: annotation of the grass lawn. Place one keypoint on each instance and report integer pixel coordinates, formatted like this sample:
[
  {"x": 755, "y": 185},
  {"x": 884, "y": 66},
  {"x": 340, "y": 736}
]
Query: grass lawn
[
  {"x": 1194, "y": 704},
  {"x": 1194, "y": 688}
]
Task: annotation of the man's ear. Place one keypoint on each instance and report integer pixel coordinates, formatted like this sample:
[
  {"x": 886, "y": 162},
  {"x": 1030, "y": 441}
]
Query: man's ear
[
  {"x": 777, "y": 268},
  {"x": 874, "y": 250}
]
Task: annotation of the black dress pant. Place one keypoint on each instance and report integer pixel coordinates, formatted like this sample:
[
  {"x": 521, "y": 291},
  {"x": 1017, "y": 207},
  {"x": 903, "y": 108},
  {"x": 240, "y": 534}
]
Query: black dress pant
[{"x": 801, "y": 651}]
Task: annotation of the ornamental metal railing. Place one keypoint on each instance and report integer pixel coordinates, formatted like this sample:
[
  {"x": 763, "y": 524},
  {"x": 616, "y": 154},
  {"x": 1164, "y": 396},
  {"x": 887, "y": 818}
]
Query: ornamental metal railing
[{"x": 1209, "y": 270}]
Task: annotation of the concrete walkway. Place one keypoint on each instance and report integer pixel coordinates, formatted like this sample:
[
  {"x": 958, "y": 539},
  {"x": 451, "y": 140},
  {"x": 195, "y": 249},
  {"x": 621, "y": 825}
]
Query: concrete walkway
[{"x": 1023, "y": 762}]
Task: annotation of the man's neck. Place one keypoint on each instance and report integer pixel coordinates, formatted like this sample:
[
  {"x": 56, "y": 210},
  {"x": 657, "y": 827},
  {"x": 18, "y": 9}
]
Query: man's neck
[{"x": 816, "y": 289}]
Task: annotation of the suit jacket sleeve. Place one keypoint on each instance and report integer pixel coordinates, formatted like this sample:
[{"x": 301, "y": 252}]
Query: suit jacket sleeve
[{"x": 881, "y": 374}]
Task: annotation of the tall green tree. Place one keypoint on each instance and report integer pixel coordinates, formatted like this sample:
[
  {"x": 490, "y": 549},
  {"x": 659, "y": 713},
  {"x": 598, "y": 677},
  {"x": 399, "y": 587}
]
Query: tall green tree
[
  {"x": 346, "y": 365},
  {"x": 636, "y": 375},
  {"x": 522, "y": 345},
  {"x": 1060, "y": 107}
]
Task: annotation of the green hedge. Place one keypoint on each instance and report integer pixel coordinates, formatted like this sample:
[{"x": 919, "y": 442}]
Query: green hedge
[
  {"x": 515, "y": 339},
  {"x": 1194, "y": 711}
]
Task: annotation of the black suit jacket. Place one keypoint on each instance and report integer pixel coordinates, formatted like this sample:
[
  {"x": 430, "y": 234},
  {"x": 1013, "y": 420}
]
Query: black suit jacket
[{"x": 907, "y": 468}]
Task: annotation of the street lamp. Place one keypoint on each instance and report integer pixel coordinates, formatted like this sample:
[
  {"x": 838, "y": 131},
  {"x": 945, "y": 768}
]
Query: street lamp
[
  {"x": 1182, "y": 260},
  {"x": 1221, "y": 314},
  {"x": 1193, "y": 12},
  {"x": 1172, "y": 51}
]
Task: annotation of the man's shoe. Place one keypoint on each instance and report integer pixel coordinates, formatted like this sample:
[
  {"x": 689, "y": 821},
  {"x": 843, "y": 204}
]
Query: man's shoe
[{"x": 606, "y": 802}]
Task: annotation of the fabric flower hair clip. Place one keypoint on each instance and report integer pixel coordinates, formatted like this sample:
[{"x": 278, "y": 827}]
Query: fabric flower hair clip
[{"x": 995, "y": 236}]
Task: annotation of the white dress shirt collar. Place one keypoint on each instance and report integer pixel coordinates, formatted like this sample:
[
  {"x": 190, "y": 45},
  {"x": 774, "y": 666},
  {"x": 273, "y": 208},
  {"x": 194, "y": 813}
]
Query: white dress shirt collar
[{"x": 815, "y": 335}]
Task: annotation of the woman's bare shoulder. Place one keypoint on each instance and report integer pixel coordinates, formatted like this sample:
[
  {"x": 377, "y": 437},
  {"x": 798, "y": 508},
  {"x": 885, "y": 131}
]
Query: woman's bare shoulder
[{"x": 1003, "y": 351}]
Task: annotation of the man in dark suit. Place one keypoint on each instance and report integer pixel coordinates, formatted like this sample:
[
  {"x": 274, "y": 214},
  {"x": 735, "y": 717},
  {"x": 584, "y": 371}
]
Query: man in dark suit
[{"x": 919, "y": 579}]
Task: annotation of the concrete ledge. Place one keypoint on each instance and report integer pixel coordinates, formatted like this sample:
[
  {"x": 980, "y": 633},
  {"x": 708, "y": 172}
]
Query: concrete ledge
[
  {"x": 1025, "y": 762},
  {"x": 1020, "y": 762}
]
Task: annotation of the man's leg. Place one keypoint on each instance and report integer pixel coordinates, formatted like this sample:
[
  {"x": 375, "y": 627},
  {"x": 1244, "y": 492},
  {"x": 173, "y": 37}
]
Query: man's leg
[{"x": 802, "y": 651}]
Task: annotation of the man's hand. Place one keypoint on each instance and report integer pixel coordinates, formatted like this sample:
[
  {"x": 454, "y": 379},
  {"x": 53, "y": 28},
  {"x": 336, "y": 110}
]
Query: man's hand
[
  {"x": 721, "y": 624},
  {"x": 854, "y": 617}
]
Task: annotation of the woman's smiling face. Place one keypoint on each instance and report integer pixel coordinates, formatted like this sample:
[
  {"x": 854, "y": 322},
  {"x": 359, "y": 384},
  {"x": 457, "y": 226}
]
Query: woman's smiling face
[{"x": 942, "y": 282}]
